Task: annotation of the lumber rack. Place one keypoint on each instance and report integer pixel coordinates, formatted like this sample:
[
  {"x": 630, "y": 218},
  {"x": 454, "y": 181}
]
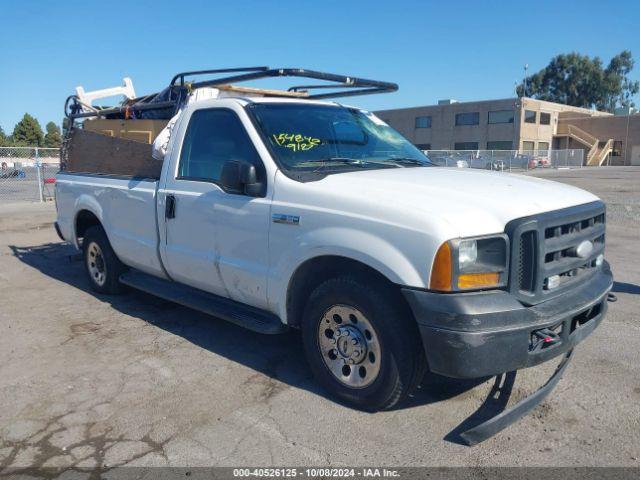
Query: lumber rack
[{"x": 341, "y": 86}]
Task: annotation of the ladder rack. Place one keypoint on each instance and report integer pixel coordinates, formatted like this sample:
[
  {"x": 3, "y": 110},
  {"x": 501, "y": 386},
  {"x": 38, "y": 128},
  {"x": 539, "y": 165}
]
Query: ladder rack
[{"x": 179, "y": 87}]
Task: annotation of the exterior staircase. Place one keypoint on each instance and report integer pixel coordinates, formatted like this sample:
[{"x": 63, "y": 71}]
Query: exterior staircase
[
  {"x": 602, "y": 153},
  {"x": 597, "y": 154}
]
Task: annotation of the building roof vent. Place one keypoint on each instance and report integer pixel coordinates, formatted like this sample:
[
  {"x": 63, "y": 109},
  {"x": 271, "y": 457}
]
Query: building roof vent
[{"x": 447, "y": 101}]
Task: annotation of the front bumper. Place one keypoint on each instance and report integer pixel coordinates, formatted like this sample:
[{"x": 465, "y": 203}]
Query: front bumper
[{"x": 477, "y": 334}]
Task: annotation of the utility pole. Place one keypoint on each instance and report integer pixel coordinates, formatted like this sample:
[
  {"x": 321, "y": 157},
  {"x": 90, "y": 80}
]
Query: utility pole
[{"x": 626, "y": 140}]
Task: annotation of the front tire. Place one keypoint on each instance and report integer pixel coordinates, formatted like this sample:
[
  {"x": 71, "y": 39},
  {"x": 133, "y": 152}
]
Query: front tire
[
  {"x": 362, "y": 343},
  {"x": 101, "y": 263}
]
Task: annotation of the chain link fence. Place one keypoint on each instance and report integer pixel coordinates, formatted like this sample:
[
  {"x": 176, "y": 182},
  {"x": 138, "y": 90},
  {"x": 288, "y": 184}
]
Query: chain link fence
[
  {"x": 507, "y": 160},
  {"x": 28, "y": 173}
]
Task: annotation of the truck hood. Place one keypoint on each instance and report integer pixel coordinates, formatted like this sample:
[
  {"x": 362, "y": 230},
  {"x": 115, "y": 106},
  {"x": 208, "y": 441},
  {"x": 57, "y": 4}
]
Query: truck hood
[{"x": 473, "y": 202}]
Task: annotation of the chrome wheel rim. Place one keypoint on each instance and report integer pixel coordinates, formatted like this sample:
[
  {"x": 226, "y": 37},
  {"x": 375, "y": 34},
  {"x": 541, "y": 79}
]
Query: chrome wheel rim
[
  {"x": 349, "y": 346},
  {"x": 95, "y": 264}
]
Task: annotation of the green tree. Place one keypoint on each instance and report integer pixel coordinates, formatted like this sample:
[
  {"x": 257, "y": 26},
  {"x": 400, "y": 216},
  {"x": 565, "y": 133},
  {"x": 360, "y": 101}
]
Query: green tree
[
  {"x": 4, "y": 141},
  {"x": 65, "y": 125},
  {"x": 28, "y": 132},
  {"x": 581, "y": 81},
  {"x": 620, "y": 87},
  {"x": 52, "y": 137}
]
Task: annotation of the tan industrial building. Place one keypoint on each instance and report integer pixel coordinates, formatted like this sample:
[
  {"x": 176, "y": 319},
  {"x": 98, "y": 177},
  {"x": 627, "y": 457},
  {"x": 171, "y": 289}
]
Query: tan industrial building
[{"x": 523, "y": 124}]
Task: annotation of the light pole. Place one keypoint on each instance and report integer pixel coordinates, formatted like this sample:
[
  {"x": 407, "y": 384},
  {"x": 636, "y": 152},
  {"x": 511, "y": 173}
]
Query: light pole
[{"x": 524, "y": 91}]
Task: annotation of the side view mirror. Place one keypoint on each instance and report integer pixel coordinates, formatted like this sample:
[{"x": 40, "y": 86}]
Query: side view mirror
[{"x": 239, "y": 176}]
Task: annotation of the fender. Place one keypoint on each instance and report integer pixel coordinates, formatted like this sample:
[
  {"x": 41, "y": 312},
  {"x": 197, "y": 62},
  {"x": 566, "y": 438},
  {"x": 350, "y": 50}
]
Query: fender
[
  {"x": 89, "y": 203},
  {"x": 361, "y": 246}
]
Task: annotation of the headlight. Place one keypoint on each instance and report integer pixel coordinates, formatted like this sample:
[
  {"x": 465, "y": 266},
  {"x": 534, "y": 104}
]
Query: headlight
[
  {"x": 467, "y": 253},
  {"x": 471, "y": 264}
]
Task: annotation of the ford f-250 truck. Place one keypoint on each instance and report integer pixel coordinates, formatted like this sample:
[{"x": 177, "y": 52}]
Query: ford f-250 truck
[{"x": 284, "y": 211}]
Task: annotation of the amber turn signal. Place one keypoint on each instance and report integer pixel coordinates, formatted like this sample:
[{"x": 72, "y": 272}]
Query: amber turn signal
[
  {"x": 442, "y": 271},
  {"x": 478, "y": 280}
]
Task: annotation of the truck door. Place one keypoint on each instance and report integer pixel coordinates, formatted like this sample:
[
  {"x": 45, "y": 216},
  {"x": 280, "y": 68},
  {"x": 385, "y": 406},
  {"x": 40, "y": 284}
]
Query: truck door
[{"x": 215, "y": 240}]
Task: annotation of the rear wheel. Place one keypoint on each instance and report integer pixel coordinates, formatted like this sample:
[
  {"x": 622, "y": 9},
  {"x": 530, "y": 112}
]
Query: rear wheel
[
  {"x": 362, "y": 343},
  {"x": 101, "y": 263}
]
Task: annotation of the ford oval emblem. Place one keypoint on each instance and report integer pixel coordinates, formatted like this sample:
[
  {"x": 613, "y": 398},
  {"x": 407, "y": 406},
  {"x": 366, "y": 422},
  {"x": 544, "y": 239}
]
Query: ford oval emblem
[{"x": 584, "y": 249}]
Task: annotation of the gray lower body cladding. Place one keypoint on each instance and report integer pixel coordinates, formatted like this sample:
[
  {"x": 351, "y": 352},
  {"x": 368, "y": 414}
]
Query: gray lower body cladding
[{"x": 471, "y": 335}]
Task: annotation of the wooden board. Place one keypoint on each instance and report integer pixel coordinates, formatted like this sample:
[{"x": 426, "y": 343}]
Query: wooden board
[
  {"x": 139, "y": 130},
  {"x": 91, "y": 152},
  {"x": 262, "y": 91}
]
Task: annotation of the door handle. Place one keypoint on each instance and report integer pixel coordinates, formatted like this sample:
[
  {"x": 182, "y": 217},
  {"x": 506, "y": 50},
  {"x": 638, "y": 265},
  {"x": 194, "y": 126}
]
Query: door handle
[{"x": 170, "y": 207}]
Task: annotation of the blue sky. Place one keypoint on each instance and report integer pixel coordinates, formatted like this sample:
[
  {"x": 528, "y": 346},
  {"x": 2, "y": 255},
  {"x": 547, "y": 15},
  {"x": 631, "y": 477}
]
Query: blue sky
[{"x": 447, "y": 49}]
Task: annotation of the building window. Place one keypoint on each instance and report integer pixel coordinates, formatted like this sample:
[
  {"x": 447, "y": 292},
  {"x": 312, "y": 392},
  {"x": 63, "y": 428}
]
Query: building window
[
  {"x": 529, "y": 116},
  {"x": 528, "y": 146},
  {"x": 545, "y": 118},
  {"x": 543, "y": 145},
  {"x": 423, "y": 146},
  {"x": 499, "y": 145},
  {"x": 501, "y": 116},
  {"x": 466, "y": 146},
  {"x": 470, "y": 118},
  {"x": 423, "y": 122}
]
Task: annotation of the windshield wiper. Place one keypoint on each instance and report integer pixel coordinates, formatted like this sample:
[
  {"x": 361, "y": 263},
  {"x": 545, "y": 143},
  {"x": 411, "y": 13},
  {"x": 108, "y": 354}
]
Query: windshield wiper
[
  {"x": 361, "y": 162},
  {"x": 408, "y": 161},
  {"x": 342, "y": 160}
]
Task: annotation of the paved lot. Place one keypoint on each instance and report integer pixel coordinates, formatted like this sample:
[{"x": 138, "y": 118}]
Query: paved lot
[{"x": 91, "y": 380}]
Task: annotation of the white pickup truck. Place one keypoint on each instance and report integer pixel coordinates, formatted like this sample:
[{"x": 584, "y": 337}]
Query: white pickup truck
[{"x": 283, "y": 212}]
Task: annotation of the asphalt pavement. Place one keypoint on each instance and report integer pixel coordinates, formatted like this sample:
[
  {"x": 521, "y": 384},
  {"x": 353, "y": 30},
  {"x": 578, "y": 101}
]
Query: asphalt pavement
[{"x": 89, "y": 380}]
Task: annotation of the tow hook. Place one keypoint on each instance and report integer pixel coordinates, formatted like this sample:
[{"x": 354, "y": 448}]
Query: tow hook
[
  {"x": 543, "y": 338},
  {"x": 611, "y": 297}
]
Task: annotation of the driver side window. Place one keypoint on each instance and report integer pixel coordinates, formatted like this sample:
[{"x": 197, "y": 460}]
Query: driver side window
[{"x": 214, "y": 136}]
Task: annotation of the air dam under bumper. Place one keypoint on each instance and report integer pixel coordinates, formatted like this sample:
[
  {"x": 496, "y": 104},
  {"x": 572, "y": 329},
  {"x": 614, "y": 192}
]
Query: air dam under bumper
[{"x": 477, "y": 334}]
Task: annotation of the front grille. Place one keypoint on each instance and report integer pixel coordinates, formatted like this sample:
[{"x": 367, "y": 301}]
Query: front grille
[
  {"x": 546, "y": 245},
  {"x": 526, "y": 261}
]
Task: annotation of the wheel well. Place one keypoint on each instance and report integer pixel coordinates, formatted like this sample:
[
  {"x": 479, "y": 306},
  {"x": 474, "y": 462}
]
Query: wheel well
[
  {"x": 316, "y": 270},
  {"x": 84, "y": 220}
]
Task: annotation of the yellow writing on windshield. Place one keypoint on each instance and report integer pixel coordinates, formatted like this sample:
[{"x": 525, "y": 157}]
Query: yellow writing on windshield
[{"x": 296, "y": 141}]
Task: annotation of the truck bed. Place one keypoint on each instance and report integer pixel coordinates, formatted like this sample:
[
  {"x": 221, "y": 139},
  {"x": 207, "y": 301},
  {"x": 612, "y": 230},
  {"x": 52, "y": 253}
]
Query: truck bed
[
  {"x": 127, "y": 207},
  {"x": 99, "y": 153}
]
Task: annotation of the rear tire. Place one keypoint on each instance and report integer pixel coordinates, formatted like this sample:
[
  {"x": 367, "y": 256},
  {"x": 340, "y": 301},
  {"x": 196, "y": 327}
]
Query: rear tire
[
  {"x": 101, "y": 263},
  {"x": 362, "y": 343}
]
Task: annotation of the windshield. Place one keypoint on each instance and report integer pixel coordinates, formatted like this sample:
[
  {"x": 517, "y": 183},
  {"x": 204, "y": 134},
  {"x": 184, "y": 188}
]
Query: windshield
[{"x": 326, "y": 137}]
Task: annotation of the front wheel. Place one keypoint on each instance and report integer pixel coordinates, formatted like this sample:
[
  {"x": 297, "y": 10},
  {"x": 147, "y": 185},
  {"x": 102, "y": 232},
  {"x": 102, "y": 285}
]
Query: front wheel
[{"x": 362, "y": 343}]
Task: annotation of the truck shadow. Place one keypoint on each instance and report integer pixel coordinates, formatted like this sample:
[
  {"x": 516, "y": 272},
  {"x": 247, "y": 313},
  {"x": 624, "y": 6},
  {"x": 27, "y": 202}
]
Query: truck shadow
[{"x": 279, "y": 357}]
